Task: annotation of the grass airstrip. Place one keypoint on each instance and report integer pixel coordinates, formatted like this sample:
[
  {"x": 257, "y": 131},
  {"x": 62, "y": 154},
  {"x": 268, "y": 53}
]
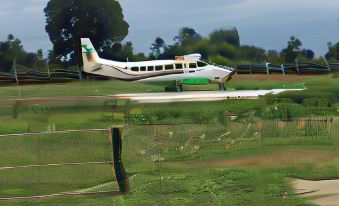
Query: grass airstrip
[{"x": 232, "y": 152}]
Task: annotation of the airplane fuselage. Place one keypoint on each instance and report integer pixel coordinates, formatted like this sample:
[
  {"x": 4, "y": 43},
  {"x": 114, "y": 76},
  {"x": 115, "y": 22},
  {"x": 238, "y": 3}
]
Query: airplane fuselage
[
  {"x": 182, "y": 68},
  {"x": 160, "y": 70}
]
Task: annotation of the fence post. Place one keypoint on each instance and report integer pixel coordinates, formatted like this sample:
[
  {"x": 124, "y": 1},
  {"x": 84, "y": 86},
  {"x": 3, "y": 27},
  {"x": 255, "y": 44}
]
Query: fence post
[
  {"x": 283, "y": 69},
  {"x": 297, "y": 66},
  {"x": 48, "y": 71},
  {"x": 119, "y": 170},
  {"x": 267, "y": 68},
  {"x": 327, "y": 64}
]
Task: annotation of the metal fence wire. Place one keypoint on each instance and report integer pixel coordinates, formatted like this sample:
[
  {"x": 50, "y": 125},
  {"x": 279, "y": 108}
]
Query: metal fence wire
[
  {"x": 155, "y": 155},
  {"x": 160, "y": 158},
  {"x": 75, "y": 162},
  {"x": 157, "y": 158}
]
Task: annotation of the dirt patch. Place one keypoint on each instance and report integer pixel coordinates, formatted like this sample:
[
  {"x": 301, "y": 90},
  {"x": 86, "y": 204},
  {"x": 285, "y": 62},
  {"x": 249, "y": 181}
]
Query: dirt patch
[
  {"x": 47, "y": 101},
  {"x": 271, "y": 160},
  {"x": 325, "y": 192}
]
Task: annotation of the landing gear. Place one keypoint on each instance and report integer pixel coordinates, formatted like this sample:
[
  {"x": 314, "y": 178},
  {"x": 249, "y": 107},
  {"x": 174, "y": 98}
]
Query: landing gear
[
  {"x": 178, "y": 86},
  {"x": 222, "y": 86}
]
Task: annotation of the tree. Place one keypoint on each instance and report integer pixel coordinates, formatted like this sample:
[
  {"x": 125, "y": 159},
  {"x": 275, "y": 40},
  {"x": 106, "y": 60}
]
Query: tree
[
  {"x": 274, "y": 57},
  {"x": 40, "y": 54},
  {"x": 224, "y": 47},
  {"x": 229, "y": 36},
  {"x": 121, "y": 52},
  {"x": 172, "y": 51},
  {"x": 10, "y": 50},
  {"x": 31, "y": 59},
  {"x": 252, "y": 53},
  {"x": 187, "y": 36},
  {"x": 307, "y": 53},
  {"x": 158, "y": 47},
  {"x": 69, "y": 20},
  {"x": 333, "y": 51},
  {"x": 292, "y": 50}
]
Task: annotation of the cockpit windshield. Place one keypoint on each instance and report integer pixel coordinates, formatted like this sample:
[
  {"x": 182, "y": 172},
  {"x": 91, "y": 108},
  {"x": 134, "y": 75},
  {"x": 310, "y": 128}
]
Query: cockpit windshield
[{"x": 202, "y": 64}]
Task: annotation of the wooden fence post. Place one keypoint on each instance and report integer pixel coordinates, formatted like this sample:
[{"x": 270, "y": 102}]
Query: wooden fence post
[{"x": 119, "y": 169}]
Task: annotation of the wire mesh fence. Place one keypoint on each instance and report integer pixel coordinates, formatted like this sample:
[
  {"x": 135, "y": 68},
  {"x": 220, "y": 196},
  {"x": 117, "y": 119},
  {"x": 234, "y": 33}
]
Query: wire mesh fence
[
  {"x": 157, "y": 158},
  {"x": 161, "y": 158},
  {"x": 301, "y": 131},
  {"x": 47, "y": 164},
  {"x": 154, "y": 155}
]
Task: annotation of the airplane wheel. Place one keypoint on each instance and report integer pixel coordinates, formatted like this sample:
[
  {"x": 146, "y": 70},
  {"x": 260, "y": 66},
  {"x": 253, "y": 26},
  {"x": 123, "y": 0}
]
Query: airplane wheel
[
  {"x": 178, "y": 86},
  {"x": 222, "y": 87}
]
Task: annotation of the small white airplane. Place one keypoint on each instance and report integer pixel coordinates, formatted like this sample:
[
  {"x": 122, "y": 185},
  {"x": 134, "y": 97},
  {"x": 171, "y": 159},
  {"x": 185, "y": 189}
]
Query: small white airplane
[{"x": 187, "y": 69}]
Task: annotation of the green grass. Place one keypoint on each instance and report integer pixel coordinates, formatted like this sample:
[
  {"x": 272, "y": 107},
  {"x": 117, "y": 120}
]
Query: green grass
[
  {"x": 254, "y": 186},
  {"x": 268, "y": 84},
  {"x": 76, "y": 88},
  {"x": 321, "y": 87},
  {"x": 248, "y": 185},
  {"x": 98, "y": 88},
  {"x": 72, "y": 147}
]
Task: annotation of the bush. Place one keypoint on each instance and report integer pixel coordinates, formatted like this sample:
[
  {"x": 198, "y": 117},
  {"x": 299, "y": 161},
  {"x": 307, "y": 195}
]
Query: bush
[{"x": 316, "y": 102}]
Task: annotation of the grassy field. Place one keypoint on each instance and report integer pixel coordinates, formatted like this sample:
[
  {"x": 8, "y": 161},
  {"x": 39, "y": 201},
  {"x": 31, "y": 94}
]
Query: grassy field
[
  {"x": 75, "y": 147},
  {"x": 213, "y": 160},
  {"x": 97, "y": 88}
]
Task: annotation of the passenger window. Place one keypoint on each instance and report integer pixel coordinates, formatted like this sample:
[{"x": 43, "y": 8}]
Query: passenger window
[
  {"x": 158, "y": 68},
  {"x": 169, "y": 67},
  {"x": 192, "y": 65},
  {"x": 143, "y": 69},
  {"x": 178, "y": 66},
  {"x": 135, "y": 69},
  {"x": 201, "y": 64},
  {"x": 150, "y": 68}
]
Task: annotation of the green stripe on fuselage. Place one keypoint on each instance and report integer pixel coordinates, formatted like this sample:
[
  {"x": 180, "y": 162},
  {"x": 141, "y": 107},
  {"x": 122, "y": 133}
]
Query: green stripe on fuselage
[{"x": 195, "y": 81}]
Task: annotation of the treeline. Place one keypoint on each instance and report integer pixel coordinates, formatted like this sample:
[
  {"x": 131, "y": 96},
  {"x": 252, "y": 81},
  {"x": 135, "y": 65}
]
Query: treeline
[
  {"x": 12, "y": 53},
  {"x": 221, "y": 47},
  {"x": 104, "y": 24}
]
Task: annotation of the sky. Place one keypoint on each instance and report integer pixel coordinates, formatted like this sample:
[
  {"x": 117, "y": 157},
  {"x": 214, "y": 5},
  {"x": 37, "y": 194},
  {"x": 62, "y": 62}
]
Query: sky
[{"x": 264, "y": 23}]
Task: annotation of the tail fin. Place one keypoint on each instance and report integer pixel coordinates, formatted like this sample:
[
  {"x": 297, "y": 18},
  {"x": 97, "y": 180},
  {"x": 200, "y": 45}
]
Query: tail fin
[{"x": 89, "y": 54}]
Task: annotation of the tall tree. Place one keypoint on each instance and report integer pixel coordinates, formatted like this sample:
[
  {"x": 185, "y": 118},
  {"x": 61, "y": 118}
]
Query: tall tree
[
  {"x": 274, "y": 57},
  {"x": 307, "y": 53},
  {"x": 10, "y": 50},
  {"x": 69, "y": 20},
  {"x": 187, "y": 36},
  {"x": 230, "y": 36},
  {"x": 253, "y": 53},
  {"x": 158, "y": 47},
  {"x": 333, "y": 51},
  {"x": 121, "y": 52},
  {"x": 292, "y": 50}
]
